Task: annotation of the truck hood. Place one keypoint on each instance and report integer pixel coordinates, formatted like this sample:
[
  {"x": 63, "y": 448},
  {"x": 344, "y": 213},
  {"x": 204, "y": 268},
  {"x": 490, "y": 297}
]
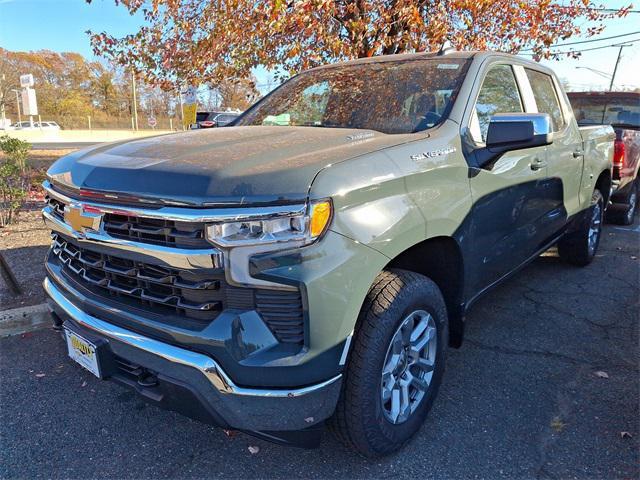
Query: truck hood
[{"x": 220, "y": 166}]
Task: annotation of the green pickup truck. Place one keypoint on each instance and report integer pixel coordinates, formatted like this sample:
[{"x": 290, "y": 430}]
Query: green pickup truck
[{"x": 314, "y": 261}]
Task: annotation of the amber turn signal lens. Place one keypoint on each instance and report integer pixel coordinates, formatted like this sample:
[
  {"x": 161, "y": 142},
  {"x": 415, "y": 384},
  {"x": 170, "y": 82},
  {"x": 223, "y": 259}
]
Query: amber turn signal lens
[{"x": 320, "y": 216}]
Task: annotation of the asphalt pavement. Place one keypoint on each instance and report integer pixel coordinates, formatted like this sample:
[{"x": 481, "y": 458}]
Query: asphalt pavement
[{"x": 544, "y": 386}]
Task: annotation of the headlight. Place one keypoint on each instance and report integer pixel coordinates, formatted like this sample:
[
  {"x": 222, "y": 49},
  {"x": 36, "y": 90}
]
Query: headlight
[{"x": 295, "y": 228}]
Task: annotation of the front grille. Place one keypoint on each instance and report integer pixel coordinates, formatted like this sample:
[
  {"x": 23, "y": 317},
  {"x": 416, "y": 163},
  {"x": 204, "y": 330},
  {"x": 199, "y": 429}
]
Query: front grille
[
  {"x": 156, "y": 231},
  {"x": 190, "y": 299},
  {"x": 181, "y": 292},
  {"x": 57, "y": 207},
  {"x": 169, "y": 233}
]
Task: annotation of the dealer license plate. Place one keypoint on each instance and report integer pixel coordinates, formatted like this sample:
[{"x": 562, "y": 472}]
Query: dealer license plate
[{"x": 83, "y": 352}]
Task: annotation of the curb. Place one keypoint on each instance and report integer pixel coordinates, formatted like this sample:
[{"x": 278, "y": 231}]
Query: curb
[{"x": 24, "y": 319}]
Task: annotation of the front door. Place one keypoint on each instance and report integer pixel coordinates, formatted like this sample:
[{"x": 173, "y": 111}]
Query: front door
[{"x": 511, "y": 198}]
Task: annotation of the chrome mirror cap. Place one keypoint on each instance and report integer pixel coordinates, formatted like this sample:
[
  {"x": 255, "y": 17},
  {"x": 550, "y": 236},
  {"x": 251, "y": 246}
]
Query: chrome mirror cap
[{"x": 541, "y": 121}]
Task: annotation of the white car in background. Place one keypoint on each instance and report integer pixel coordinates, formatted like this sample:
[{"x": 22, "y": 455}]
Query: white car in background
[
  {"x": 48, "y": 125},
  {"x": 36, "y": 126}
]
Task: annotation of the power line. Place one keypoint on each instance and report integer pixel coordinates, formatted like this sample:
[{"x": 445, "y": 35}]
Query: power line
[
  {"x": 590, "y": 49},
  {"x": 610, "y": 10},
  {"x": 588, "y": 41}
]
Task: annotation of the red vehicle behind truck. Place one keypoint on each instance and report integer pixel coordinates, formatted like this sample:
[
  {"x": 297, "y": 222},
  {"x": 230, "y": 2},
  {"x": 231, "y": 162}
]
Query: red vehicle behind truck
[{"x": 621, "y": 110}]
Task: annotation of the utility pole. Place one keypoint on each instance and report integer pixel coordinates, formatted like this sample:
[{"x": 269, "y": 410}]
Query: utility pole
[
  {"x": 4, "y": 118},
  {"x": 181, "y": 109},
  {"x": 17, "y": 92},
  {"x": 615, "y": 69},
  {"x": 135, "y": 102}
]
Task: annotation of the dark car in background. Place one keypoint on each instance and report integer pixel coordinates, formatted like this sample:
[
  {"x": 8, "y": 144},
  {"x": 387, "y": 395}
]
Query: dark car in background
[
  {"x": 215, "y": 119},
  {"x": 621, "y": 110}
]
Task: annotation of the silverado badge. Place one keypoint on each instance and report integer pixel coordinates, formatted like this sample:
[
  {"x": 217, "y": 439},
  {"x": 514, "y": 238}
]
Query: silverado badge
[{"x": 79, "y": 219}]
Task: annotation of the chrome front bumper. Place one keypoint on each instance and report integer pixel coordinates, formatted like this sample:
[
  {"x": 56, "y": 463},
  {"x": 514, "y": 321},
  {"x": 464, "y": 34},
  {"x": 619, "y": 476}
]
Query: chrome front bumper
[{"x": 242, "y": 408}]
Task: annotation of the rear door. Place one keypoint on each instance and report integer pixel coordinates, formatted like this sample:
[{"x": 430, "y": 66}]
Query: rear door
[
  {"x": 506, "y": 225},
  {"x": 565, "y": 156}
]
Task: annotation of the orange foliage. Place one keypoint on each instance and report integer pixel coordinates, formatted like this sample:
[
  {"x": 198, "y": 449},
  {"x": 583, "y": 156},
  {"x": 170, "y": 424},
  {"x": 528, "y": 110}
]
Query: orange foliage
[{"x": 196, "y": 41}]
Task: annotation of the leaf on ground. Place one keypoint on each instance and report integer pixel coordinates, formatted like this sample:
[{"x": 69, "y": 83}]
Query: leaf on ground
[
  {"x": 84, "y": 384},
  {"x": 633, "y": 257},
  {"x": 601, "y": 374},
  {"x": 253, "y": 450},
  {"x": 625, "y": 435},
  {"x": 230, "y": 433},
  {"x": 557, "y": 424},
  {"x": 40, "y": 375}
]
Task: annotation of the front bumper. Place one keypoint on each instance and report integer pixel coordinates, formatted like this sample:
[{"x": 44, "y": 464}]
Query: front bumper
[{"x": 209, "y": 394}]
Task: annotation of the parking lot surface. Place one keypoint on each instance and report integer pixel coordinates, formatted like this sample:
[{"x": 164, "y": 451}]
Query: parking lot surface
[{"x": 546, "y": 385}]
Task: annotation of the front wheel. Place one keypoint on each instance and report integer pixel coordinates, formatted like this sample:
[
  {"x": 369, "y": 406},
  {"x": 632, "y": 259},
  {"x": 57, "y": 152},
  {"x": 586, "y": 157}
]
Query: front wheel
[
  {"x": 579, "y": 247},
  {"x": 396, "y": 365}
]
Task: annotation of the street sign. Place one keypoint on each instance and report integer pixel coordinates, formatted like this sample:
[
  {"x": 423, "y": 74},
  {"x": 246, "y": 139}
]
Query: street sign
[
  {"x": 29, "y": 103},
  {"x": 26, "y": 81},
  {"x": 189, "y": 99},
  {"x": 189, "y": 95},
  {"x": 152, "y": 122}
]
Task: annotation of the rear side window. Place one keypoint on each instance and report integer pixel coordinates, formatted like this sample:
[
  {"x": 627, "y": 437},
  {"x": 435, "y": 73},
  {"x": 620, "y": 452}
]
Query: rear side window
[
  {"x": 546, "y": 97},
  {"x": 499, "y": 94}
]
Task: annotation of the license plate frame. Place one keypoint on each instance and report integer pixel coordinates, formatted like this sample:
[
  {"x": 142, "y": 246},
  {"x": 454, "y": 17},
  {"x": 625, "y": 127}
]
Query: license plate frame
[{"x": 83, "y": 352}]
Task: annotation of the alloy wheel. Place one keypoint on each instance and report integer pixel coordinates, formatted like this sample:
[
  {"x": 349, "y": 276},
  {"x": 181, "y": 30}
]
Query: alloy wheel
[
  {"x": 595, "y": 227},
  {"x": 408, "y": 366},
  {"x": 631, "y": 211}
]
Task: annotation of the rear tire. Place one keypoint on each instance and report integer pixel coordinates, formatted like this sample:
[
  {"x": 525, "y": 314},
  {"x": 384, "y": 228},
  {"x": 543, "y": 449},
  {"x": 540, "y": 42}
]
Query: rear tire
[
  {"x": 580, "y": 246},
  {"x": 626, "y": 215},
  {"x": 396, "y": 365}
]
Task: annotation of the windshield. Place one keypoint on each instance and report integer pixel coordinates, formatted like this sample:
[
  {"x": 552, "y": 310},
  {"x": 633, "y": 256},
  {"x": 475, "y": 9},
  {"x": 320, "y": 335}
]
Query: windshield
[
  {"x": 391, "y": 97},
  {"x": 606, "y": 109}
]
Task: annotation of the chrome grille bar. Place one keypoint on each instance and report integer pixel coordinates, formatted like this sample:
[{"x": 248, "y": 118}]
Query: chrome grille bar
[{"x": 134, "y": 279}]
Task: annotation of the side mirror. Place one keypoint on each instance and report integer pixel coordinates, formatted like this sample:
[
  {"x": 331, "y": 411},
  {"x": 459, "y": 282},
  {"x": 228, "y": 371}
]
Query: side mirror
[{"x": 515, "y": 131}]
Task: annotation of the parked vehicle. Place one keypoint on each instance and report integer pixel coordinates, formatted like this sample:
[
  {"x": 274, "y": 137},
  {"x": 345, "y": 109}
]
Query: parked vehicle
[
  {"x": 622, "y": 111},
  {"x": 23, "y": 125},
  {"x": 266, "y": 278},
  {"x": 215, "y": 119},
  {"x": 36, "y": 125},
  {"x": 48, "y": 125}
]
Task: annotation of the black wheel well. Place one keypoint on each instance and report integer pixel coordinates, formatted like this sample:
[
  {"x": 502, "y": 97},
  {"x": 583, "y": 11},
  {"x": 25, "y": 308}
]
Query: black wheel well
[
  {"x": 439, "y": 259},
  {"x": 604, "y": 185}
]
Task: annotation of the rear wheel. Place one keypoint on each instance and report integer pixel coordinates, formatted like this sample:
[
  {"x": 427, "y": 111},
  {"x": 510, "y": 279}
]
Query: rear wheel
[
  {"x": 396, "y": 365},
  {"x": 626, "y": 214},
  {"x": 579, "y": 247}
]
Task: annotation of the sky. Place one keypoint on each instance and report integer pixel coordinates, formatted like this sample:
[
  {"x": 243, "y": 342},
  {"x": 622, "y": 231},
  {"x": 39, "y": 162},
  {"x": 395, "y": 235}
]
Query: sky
[{"x": 60, "y": 25}]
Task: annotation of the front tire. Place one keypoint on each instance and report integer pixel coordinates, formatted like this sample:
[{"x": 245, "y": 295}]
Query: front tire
[
  {"x": 580, "y": 246},
  {"x": 396, "y": 365}
]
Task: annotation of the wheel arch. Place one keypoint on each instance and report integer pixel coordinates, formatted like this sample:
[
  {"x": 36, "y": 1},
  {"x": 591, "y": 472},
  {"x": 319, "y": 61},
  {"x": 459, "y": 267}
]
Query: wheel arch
[
  {"x": 440, "y": 259},
  {"x": 603, "y": 183}
]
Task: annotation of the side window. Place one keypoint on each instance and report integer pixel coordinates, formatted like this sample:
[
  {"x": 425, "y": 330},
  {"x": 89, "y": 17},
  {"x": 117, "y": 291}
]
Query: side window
[
  {"x": 546, "y": 98},
  {"x": 498, "y": 94}
]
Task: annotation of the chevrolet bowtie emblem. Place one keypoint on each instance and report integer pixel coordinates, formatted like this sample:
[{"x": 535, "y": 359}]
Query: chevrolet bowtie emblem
[{"x": 80, "y": 220}]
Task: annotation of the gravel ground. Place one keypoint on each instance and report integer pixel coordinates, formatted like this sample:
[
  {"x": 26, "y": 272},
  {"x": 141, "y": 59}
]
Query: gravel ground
[
  {"x": 543, "y": 387},
  {"x": 25, "y": 243},
  {"x": 24, "y": 246}
]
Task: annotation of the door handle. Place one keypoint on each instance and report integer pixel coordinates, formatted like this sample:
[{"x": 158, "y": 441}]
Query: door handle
[
  {"x": 538, "y": 164},
  {"x": 578, "y": 154}
]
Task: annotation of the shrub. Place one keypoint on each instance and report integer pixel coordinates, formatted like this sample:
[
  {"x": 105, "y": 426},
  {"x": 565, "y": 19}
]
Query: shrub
[{"x": 14, "y": 178}]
